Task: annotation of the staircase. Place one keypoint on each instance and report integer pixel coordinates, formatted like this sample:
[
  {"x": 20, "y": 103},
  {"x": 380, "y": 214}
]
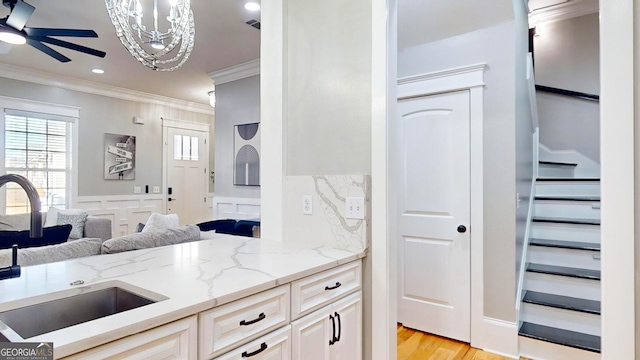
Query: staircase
[{"x": 561, "y": 292}]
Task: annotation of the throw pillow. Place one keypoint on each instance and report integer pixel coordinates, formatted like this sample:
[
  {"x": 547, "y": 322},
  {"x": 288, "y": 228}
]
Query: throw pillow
[
  {"x": 75, "y": 217},
  {"x": 139, "y": 227},
  {"x": 52, "y": 216},
  {"x": 221, "y": 226},
  {"x": 159, "y": 222},
  {"x": 50, "y": 236}
]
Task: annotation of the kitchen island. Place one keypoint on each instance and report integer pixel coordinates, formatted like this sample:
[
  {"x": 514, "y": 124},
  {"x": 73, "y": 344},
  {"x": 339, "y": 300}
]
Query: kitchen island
[{"x": 188, "y": 280}]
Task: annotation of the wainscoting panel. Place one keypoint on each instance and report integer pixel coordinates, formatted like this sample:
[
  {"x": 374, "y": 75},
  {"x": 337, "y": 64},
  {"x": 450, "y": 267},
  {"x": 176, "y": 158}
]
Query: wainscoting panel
[
  {"x": 236, "y": 208},
  {"x": 124, "y": 211}
]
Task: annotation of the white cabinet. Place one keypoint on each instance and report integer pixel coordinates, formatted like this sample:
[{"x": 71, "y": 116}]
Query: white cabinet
[
  {"x": 228, "y": 326},
  {"x": 273, "y": 346},
  {"x": 176, "y": 340},
  {"x": 331, "y": 333}
]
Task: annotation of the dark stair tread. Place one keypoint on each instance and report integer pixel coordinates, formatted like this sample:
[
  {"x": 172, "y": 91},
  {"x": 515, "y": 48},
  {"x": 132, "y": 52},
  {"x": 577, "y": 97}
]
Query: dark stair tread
[
  {"x": 566, "y": 179},
  {"x": 562, "y": 302},
  {"x": 568, "y": 198},
  {"x": 566, "y": 220},
  {"x": 560, "y": 336},
  {"x": 562, "y": 244},
  {"x": 564, "y": 271},
  {"x": 557, "y": 163}
]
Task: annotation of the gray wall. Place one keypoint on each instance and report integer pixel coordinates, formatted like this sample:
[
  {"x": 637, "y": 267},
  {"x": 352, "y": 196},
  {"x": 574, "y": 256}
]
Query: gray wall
[
  {"x": 237, "y": 102},
  {"x": 567, "y": 57},
  {"x": 100, "y": 115},
  {"x": 328, "y": 90},
  {"x": 524, "y": 129},
  {"x": 495, "y": 46}
]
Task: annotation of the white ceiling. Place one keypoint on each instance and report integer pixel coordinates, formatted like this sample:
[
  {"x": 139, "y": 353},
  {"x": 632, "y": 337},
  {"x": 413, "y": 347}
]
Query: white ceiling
[
  {"x": 222, "y": 40},
  {"x": 423, "y": 21}
]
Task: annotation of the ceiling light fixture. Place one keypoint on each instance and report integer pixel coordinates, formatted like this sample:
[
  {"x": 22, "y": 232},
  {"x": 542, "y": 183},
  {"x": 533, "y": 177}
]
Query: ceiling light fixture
[
  {"x": 160, "y": 50},
  {"x": 12, "y": 36},
  {"x": 97, "y": 71},
  {"x": 252, "y": 6},
  {"x": 212, "y": 98}
]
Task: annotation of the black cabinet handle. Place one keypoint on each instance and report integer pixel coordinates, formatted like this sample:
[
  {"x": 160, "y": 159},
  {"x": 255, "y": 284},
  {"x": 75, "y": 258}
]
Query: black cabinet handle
[
  {"x": 337, "y": 338},
  {"x": 333, "y": 335},
  {"x": 260, "y": 317},
  {"x": 263, "y": 347},
  {"x": 333, "y": 287}
]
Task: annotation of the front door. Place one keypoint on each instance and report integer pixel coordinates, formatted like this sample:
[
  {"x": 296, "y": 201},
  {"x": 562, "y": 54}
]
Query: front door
[
  {"x": 434, "y": 214},
  {"x": 187, "y": 178}
]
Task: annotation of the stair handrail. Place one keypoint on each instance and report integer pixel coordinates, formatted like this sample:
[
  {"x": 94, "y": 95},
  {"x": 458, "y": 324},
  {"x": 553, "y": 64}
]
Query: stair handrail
[{"x": 570, "y": 93}]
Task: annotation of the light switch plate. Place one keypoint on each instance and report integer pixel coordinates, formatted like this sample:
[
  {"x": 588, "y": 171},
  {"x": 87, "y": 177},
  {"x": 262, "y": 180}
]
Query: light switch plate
[
  {"x": 137, "y": 190},
  {"x": 354, "y": 207},
  {"x": 307, "y": 204},
  {"x": 156, "y": 189}
]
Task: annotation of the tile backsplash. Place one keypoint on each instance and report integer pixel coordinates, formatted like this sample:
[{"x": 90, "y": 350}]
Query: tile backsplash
[{"x": 327, "y": 225}]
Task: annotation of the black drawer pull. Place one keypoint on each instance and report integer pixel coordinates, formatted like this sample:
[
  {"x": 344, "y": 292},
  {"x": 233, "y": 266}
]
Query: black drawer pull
[
  {"x": 263, "y": 347},
  {"x": 333, "y": 287},
  {"x": 260, "y": 317}
]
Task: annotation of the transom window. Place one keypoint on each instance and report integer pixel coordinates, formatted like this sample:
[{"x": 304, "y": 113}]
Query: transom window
[{"x": 38, "y": 147}]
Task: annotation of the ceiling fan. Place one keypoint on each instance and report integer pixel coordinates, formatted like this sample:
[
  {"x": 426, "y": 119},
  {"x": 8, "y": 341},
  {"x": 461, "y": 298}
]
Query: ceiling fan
[{"x": 13, "y": 31}]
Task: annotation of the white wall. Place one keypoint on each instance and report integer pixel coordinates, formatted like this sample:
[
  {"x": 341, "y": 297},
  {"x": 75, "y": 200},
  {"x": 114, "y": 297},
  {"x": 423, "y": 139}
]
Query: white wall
[
  {"x": 495, "y": 46},
  {"x": 328, "y": 87},
  {"x": 100, "y": 115},
  {"x": 237, "y": 102},
  {"x": 567, "y": 57},
  {"x": 524, "y": 130}
]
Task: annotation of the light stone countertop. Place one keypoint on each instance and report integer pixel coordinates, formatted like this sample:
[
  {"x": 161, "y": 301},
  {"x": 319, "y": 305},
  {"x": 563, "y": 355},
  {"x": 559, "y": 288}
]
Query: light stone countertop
[{"x": 193, "y": 276}]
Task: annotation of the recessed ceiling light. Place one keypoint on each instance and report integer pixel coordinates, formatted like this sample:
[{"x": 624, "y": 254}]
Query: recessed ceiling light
[
  {"x": 252, "y": 6},
  {"x": 97, "y": 71}
]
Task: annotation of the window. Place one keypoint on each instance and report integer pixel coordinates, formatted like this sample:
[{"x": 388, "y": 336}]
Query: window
[
  {"x": 185, "y": 148},
  {"x": 38, "y": 147}
]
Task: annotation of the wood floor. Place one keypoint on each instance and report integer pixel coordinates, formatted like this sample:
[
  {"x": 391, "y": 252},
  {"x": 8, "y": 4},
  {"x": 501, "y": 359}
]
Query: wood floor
[{"x": 415, "y": 345}]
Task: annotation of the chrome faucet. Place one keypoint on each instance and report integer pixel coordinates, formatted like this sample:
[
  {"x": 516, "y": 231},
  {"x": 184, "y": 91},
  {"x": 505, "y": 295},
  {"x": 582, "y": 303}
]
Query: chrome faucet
[{"x": 35, "y": 230}]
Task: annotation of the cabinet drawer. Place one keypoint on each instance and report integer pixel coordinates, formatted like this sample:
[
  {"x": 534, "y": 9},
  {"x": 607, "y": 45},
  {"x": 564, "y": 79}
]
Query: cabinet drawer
[
  {"x": 318, "y": 290},
  {"x": 176, "y": 340},
  {"x": 233, "y": 324},
  {"x": 273, "y": 346}
]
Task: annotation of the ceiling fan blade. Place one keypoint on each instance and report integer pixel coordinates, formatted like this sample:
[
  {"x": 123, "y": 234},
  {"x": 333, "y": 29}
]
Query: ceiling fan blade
[
  {"x": 47, "y": 50},
  {"x": 20, "y": 14},
  {"x": 60, "y": 32},
  {"x": 72, "y": 46},
  {"x": 4, "y": 47}
]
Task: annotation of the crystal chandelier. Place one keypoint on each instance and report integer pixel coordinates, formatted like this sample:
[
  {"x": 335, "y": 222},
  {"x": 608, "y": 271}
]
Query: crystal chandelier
[{"x": 159, "y": 49}]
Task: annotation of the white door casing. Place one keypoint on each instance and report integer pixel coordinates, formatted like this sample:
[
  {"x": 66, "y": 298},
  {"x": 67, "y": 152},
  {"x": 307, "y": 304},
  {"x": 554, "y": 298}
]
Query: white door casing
[
  {"x": 185, "y": 173},
  {"x": 434, "y": 249}
]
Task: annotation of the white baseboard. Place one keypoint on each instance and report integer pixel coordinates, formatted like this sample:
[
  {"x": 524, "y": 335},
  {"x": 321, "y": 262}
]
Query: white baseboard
[
  {"x": 498, "y": 337},
  {"x": 124, "y": 211},
  {"x": 235, "y": 208},
  {"x": 542, "y": 350}
]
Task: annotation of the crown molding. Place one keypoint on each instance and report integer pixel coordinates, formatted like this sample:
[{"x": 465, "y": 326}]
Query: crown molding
[
  {"x": 564, "y": 11},
  {"x": 236, "y": 72},
  {"x": 90, "y": 87}
]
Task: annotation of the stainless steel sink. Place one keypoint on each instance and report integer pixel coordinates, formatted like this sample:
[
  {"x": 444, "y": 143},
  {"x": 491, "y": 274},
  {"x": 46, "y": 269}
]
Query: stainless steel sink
[{"x": 45, "y": 317}]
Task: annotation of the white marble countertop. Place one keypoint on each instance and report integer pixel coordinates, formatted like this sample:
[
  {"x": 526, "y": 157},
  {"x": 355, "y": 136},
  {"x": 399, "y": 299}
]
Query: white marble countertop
[{"x": 193, "y": 276}]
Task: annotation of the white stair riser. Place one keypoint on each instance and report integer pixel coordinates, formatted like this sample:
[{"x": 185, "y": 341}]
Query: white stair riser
[
  {"x": 562, "y": 285},
  {"x": 567, "y": 209},
  {"x": 564, "y": 257},
  {"x": 561, "y": 319},
  {"x": 555, "y": 171},
  {"x": 542, "y": 350},
  {"x": 569, "y": 232},
  {"x": 544, "y": 188}
]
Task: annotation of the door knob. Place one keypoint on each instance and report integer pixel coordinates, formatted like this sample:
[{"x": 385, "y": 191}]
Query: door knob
[{"x": 462, "y": 229}]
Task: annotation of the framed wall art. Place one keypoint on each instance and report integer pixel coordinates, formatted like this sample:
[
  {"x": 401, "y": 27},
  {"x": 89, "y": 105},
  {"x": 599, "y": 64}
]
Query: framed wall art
[
  {"x": 246, "y": 152},
  {"x": 119, "y": 157}
]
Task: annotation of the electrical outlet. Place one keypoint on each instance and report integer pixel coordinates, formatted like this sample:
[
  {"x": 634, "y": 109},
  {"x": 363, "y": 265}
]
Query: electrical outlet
[
  {"x": 307, "y": 204},
  {"x": 156, "y": 189},
  {"x": 137, "y": 190},
  {"x": 354, "y": 208}
]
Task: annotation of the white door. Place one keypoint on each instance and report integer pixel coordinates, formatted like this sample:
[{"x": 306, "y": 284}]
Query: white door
[
  {"x": 187, "y": 179},
  {"x": 434, "y": 214},
  {"x": 348, "y": 315}
]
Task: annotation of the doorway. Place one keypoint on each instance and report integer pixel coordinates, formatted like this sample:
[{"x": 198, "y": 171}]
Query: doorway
[{"x": 186, "y": 159}]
